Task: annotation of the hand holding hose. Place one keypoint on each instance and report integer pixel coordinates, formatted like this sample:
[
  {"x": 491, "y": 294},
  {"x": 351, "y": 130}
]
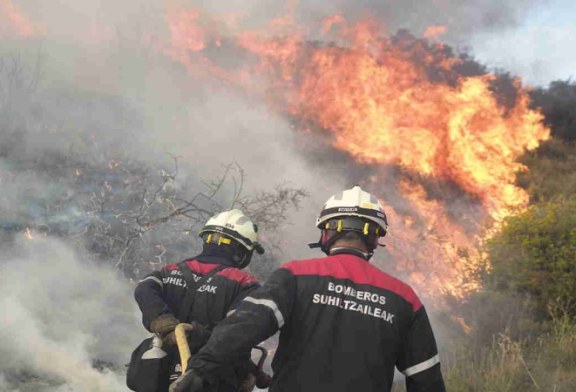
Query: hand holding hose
[{"x": 189, "y": 381}]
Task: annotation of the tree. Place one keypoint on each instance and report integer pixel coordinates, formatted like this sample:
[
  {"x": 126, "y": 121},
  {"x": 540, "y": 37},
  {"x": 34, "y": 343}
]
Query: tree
[{"x": 557, "y": 103}]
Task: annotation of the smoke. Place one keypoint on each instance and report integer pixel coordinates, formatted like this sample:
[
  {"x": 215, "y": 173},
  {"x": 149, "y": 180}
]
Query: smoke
[
  {"x": 462, "y": 19},
  {"x": 103, "y": 90},
  {"x": 59, "y": 314},
  {"x": 87, "y": 125},
  {"x": 107, "y": 91}
]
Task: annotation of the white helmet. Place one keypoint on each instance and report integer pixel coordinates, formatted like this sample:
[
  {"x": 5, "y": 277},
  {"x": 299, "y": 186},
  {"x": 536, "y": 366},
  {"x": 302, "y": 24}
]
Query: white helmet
[
  {"x": 354, "y": 202},
  {"x": 352, "y": 210},
  {"x": 233, "y": 224}
]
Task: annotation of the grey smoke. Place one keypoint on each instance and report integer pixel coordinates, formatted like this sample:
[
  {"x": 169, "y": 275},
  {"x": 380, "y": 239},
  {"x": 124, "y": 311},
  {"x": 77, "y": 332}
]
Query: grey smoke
[
  {"x": 462, "y": 18},
  {"x": 59, "y": 314},
  {"x": 66, "y": 105},
  {"x": 76, "y": 20},
  {"x": 103, "y": 82}
]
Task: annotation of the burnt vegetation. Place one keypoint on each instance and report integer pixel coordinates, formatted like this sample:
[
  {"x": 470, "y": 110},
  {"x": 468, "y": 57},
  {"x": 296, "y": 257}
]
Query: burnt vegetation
[{"x": 67, "y": 170}]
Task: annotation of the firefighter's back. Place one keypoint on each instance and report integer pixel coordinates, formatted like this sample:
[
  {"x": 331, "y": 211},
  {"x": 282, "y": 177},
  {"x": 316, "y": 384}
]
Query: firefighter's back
[{"x": 346, "y": 329}]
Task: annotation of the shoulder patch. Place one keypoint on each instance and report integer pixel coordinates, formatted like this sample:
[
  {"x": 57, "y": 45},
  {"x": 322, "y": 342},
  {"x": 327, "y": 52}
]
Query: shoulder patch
[
  {"x": 237, "y": 275},
  {"x": 200, "y": 268},
  {"x": 194, "y": 265},
  {"x": 350, "y": 267},
  {"x": 232, "y": 273}
]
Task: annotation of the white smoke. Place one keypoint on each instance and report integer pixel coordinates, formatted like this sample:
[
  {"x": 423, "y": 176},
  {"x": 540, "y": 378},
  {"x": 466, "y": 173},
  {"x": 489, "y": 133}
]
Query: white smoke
[
  {"x": 59, "y": 314},
  {"x": 462, "y": 18},
  {"x": 100, "y": 48}
]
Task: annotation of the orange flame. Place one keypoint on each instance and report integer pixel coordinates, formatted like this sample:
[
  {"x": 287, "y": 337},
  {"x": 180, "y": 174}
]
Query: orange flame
[
  {"x": 465, "y": 327},
  {"x": 186, "y": 32},
  {"x": 398, "y": 102},
  {"x": 434, "y": 32},
  {"x": 13, "y": 22}
]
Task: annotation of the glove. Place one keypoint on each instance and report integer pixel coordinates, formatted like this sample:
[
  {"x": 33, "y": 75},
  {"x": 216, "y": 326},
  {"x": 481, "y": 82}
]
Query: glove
[
  {"x": 248, "y": 383},
  {"x": 188, "y": 382},
  {"x": 164, "y": 325},
  {"x": 263, "y": 379},
  {"x": 198, "y": 335}
]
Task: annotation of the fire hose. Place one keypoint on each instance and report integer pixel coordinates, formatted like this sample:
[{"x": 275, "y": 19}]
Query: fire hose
[
  {"x": 182, "y": 342},
  {"x": 258, "y": 376}
]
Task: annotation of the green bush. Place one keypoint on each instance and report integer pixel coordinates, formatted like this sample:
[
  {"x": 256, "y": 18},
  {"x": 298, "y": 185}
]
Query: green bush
[
  {"x": 551, "y": 171},
  {"x": 535, "y": 254}
]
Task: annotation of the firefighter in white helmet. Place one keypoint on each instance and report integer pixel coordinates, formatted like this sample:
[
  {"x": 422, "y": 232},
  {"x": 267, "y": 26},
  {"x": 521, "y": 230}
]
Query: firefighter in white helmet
[
  {"x": 344, "y": 324},
  {"x": 229, "y": 239}
]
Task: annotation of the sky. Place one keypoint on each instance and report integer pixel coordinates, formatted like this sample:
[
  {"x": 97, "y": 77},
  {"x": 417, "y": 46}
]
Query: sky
[{"x": 540, "y": 48}]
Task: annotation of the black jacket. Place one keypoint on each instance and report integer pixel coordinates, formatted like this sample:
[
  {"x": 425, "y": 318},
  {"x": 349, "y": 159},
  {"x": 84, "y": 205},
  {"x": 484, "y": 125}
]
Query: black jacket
[
  {"x": 163, "y": 291},
  {"x": 344, "y": 325}
]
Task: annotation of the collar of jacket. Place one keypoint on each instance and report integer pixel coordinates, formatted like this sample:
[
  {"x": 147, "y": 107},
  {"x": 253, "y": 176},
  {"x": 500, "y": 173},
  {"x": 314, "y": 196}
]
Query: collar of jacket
[
  {"x": 350, "y": 251},
  {"x": 214, "y": 254}
]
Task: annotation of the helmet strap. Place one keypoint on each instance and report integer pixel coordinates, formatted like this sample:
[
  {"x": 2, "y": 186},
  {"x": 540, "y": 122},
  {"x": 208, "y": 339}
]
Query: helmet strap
[{"x": 242, "y": 257}]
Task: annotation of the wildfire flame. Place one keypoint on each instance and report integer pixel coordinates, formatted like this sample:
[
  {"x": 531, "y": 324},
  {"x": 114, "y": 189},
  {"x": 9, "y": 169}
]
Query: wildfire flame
[
  {"x": 12, "y": 22},
  {"x": 434, "y": 32},
  {"x": 460, "y": 321},
  {"x": 396, "y": 102},
  {"x": 440, "y": 148}
]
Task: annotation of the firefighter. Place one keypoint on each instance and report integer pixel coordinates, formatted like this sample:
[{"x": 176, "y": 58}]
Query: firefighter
[
  {"x": 229, "y": 239},
  {"x": 344, "y": 324}
]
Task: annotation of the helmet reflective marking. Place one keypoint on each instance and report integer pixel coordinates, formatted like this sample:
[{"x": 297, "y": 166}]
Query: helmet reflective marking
[
  {"x": 354, "y": 202},
  {"x": 242, "y": 220}
]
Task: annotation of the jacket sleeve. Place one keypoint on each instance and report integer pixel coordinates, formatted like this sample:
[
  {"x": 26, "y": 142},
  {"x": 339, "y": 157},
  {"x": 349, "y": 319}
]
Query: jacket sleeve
[
  {"x": 418, "y": 359},
  {"x": 258, "y": 317},
  {"x": 149, "y": 294},
  {"x": 246, "y": 288}
]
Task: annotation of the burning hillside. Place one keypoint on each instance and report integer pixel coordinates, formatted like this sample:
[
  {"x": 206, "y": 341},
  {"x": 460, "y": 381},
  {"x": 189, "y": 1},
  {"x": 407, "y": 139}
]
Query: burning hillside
[
  {"x": 121, "y": 124},
  {"x": 395, "y": 103},
  {"x": 438, "y": 142}
]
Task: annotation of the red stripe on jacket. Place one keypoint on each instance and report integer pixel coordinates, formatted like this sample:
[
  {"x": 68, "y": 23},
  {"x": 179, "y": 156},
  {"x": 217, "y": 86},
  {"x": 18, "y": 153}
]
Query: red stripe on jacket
[
  {"x": 232, "y": 273},
  {"x": 355, "y": 269}
]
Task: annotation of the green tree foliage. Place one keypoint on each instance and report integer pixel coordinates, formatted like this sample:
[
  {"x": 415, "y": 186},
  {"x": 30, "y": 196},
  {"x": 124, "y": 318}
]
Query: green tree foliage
[
  {"x": 557, "y": 103},
  {"x": 551, "y": 171},
  {"x": 535, "y": 254}
]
